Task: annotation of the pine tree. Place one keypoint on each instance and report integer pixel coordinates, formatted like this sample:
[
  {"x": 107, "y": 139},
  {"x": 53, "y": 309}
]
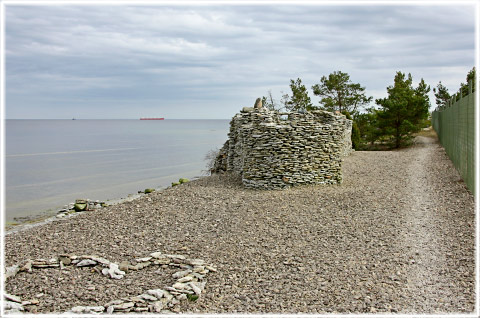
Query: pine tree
[
  {"x": 338, "y": 93},
  {"x": 299, "y": 101},
  {"x": 441, "y": 95},
  {"x": 403, "y": 110}
]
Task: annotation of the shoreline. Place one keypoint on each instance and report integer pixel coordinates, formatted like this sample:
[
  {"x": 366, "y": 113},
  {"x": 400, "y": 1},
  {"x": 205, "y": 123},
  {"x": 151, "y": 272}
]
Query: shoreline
[{"x": 50, "y": 215}]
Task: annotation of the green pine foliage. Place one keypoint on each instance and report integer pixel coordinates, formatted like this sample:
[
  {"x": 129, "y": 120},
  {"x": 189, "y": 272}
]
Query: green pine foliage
[
  {"x": 441, "y": 95},
  {"x": 338, "y": 93},
  {"x": 299, "y": 101},
  {"x": 402, "y": 112}
]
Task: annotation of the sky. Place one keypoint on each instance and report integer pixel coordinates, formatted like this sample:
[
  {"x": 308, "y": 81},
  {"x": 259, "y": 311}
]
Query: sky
[{"x": 207, "y": 61}]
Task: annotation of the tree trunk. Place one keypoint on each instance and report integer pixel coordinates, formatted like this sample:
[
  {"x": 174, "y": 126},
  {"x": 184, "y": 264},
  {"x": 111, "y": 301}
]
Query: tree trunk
[{"x": 397, "y": 137}]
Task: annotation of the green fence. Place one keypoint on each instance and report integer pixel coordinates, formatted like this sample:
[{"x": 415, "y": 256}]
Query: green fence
[{"x": 455, "y": 126}]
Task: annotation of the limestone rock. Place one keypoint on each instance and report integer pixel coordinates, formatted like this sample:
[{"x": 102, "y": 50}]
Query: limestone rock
[
  {"x": 181, "y": 274},
  {"x": 87, "y": 309},
  {"x": 113, "y": 271},
  {"x": 11, "y": 271},
  {"x": 148, "y": 297},
  {"x": 13, "y": 306},
  {"x": 86, "y": 262},
  {"x": 13, "y": 298},
  {"x": 195, "y": 262},
  {"x": 258, "y": 103}
]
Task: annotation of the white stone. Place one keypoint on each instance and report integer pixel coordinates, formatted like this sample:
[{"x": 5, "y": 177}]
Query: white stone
[
  {"x": 11, "y": 271},
  {"x": 10, "y": 305},
  {"x": 114, "y": 302},
  {"x": 210, "y": 268},
  {"x": 86, "y": 262},
  {"x": 195, "y": 262},
  {"x": 100, "y": 260},
  {"x": 13, "y": 298},
  {"x": 147, "y": 297},
  {"x": 176, "y": 256},
  {"x": 158, "y": 306},
  {"x": 196, "y": 289},
  {"x": 78, "y": 309},
  {"x": 180, "y": 286},
  {"x": 156, "y": 292},
  {"x": 124, "y": 306},
  {"x": 157, "y": 255},
  {"x": 113, "y": 271},
  {"x": 181, "y": 274},
  {"x": 185, "y": 279}
]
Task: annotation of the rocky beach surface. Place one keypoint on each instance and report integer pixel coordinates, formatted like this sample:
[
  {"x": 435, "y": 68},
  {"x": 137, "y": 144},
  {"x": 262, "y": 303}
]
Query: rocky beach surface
[{"x": 396, "y": 236}]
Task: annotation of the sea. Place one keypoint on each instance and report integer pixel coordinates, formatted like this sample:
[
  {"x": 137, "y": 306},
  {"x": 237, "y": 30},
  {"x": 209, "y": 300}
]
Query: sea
[{"x": 51, "y": 163}]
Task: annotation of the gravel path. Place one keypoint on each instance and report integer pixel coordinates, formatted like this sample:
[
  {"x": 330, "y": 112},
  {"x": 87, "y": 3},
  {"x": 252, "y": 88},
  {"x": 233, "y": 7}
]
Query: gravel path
[{"x": 396, "y": 236}]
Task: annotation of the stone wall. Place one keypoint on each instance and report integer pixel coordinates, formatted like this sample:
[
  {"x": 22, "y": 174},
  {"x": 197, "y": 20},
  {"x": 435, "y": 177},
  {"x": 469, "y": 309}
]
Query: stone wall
[{"x": 273, "y": 150}]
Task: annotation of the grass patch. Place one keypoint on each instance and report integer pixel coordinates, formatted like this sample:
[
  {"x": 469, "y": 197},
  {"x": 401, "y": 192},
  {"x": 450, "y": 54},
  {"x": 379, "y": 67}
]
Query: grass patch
[
  {"x": 192, "y": 297},
  {"x": 427, "y": 133}
]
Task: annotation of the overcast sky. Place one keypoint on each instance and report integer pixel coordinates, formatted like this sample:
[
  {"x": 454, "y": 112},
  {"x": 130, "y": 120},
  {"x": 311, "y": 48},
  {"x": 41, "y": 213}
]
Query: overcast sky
[{"x": 209, "y": 61}]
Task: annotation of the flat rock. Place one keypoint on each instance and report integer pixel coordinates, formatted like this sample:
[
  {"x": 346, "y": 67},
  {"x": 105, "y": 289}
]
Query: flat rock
[
  {"x": 86, "y": 262},
  {"x": 13, "y": 298}
]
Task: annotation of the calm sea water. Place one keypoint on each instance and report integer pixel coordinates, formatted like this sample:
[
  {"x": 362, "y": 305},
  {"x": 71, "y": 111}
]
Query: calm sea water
[{"x": 50, "y": 163}]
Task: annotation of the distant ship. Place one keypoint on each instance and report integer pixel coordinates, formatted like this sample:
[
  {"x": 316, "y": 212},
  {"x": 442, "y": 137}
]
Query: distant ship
[{"x": 160, "y": 118}]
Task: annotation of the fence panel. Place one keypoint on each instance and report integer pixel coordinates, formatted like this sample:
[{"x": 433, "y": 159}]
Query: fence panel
[{"x": 455, "y": 127}]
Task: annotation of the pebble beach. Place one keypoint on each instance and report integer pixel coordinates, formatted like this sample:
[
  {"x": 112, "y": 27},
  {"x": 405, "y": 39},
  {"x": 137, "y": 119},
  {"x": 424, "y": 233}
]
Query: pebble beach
[{"x": 398, "y": 235}]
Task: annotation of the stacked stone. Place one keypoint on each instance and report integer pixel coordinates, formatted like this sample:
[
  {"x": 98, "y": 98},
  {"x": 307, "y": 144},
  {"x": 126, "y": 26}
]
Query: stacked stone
[
  {"x": 273, "y": 150},
  {"x": 189, "y": 282}
]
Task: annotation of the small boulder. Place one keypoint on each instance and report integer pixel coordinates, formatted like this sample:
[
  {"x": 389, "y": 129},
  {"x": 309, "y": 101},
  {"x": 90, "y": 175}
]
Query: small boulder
[
  {"x": 247, "y": 109},
  {"x": 258, "y": 103},
  {"x": 80, "y": 205},
  {"x": 86, "y": 262}
]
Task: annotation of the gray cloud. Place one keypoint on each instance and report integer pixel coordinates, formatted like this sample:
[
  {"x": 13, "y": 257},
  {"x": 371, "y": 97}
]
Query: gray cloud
[{"x": 209, "y": 61}]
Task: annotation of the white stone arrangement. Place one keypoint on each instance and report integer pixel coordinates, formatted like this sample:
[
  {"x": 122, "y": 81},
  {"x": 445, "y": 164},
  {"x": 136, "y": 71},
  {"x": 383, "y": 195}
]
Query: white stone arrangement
[{"x": 190, "y": 282}]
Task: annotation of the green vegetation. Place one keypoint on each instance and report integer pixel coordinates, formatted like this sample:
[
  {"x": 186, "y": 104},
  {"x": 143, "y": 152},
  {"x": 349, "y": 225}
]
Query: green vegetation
[
  {"x": 471, "y": 76},
  {"x": 299, "y": 101},
  {"x": 402, "y": 112},
  {"x": 180, "y": 181},
  {"x": 338, "y": 93},
  {"x": 192, "y": 297},
  {"x": 392, "y": 123},
  {"x": 149, "y": 190},
  {"x": 442, "y": 96},
  {"x": 268, "y": 102}
]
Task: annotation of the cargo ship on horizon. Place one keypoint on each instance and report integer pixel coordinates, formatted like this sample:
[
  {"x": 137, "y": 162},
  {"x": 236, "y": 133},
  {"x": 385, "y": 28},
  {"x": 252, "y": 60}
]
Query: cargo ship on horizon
[{"x": 148, "y": 118}]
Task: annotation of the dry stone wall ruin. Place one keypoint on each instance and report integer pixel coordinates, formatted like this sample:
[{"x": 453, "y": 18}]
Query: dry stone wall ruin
[{"x": 275, "y": 150}]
